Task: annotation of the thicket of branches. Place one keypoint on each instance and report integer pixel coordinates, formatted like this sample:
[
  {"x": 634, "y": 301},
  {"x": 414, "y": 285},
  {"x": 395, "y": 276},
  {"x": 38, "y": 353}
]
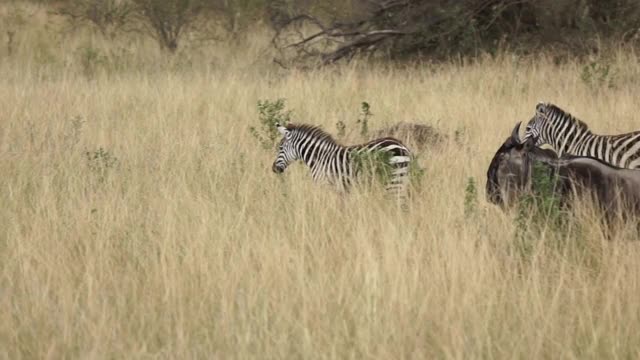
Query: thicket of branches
[
  {"x": 325, "y": 31},
  {"x": 442, "y": 28},
  {"x": 167, "y": 21}
]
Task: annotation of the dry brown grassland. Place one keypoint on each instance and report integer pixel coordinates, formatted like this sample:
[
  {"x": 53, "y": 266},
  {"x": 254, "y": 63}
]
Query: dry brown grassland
[{"x": 172, "y": 238}]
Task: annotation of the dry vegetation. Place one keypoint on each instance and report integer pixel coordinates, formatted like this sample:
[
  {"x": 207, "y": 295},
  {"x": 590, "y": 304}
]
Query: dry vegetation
[{"x": 141, "y": 219}]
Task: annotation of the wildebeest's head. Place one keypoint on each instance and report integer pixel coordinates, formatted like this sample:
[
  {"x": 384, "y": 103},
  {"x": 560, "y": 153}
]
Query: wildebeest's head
[{"x": 510, "y": 168}]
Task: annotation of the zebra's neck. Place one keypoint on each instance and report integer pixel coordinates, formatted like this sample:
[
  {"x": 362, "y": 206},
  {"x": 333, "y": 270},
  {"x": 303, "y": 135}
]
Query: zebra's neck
[
  {"x": 565, "y": 133},
  {"x": 317, "y": 151}
]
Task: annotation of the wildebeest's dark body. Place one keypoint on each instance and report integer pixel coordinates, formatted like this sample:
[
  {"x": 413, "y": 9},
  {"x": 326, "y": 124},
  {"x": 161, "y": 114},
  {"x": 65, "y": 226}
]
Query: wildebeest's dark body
[{"x": 615, "y": 190}]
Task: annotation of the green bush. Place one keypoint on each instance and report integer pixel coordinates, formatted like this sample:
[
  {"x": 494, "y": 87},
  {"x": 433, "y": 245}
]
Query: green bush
[
  {"x": 470, "y": 198},
  {"x": 363, "y": 119},
  {"x": 270, "y": 113},
  {"x": 101, "y": 162},
  {"x": 373, "y": 166},
  {"x": 598, "y": 74},
  {"x": 91, "y": 59},
  {"x": 539, "y": 210}
]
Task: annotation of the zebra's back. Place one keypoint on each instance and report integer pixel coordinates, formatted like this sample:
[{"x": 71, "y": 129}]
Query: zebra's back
[
  {"x": 569, "y": 135},
  {"x": 618, "y": 150}
]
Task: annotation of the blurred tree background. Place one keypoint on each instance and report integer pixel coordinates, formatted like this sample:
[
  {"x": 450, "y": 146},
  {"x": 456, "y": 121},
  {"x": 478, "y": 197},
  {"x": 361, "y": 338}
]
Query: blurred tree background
[{"x": 325, "y": 31}]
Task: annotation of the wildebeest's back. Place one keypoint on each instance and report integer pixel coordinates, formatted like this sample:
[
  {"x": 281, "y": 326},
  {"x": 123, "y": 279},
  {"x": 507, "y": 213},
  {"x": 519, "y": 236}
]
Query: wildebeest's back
[{"x": 614, "y": 187}]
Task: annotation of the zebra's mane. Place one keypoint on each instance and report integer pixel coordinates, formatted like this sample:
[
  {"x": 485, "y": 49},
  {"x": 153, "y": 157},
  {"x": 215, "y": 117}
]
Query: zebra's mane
[
  {"x": 314, "y": 131},
  {"x": 551, "y": 109}
]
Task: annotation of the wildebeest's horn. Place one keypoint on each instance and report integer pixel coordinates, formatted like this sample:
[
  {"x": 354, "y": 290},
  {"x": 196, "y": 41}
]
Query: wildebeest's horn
[{"x": 515, "y": 135}]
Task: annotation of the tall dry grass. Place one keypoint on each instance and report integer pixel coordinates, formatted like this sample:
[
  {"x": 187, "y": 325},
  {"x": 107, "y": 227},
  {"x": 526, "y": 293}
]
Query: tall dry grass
[{"x": 172, "y": 238}]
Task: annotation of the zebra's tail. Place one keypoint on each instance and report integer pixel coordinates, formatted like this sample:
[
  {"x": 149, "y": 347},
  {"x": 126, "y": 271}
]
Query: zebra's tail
[{"x": 398, "y": 186}]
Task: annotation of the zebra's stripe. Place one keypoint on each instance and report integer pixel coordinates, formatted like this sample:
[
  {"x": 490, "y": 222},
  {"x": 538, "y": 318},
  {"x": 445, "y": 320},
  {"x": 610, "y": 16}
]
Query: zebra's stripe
[
  {"x": 568, "y": 135},
  {"x": 331, "y": 161},
  {"x": 627, "y": 158}
]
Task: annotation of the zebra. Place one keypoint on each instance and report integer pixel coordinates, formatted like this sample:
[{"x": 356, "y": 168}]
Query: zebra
[
  {"x": 569, "y": 135},
  {"x": 337, "y": 164}
]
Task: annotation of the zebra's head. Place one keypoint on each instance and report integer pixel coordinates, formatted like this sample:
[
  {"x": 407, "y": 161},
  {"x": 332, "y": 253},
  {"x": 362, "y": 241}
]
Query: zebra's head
[
  {"x": 535, "y": 125},
  {"x": 286, "y": 150}
]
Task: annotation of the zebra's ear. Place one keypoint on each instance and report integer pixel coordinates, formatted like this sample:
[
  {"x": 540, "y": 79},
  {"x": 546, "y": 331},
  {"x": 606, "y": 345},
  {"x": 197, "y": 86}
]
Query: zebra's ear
[{"x": 282, "y": 130}]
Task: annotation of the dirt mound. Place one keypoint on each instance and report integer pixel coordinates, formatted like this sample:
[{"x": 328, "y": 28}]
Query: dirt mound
[{"x": 418, "y": 136}]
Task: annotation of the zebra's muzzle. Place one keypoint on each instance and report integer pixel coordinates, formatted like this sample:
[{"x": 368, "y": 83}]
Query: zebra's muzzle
[{"x": 277, "y": 169}]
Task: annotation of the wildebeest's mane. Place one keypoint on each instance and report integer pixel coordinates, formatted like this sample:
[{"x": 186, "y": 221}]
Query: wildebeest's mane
[
  {"x": 551, "y": 109},
  {"x": 316, "y": 131}
]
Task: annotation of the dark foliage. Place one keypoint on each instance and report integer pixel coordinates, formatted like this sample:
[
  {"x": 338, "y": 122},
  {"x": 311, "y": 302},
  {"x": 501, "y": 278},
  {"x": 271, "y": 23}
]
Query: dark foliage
[
  {"x": 167, "y": 20},
  {"x": 107, "y": 16},
  {"x": 409, "y": 29}
]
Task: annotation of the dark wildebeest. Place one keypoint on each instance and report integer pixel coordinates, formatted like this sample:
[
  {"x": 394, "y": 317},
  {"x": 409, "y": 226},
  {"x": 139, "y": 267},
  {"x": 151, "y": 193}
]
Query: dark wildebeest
[{"x": 616, "y": 191}]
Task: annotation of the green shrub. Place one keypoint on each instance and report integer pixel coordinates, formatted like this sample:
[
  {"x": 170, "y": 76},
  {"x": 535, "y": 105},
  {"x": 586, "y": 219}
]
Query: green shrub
[
  {"x": 539, "y": 210},
  {"x": 270, "y": 113},
  {"x": 598, "y": 74},
  {"x": 91, "y": 59},
  {"x": 470, "y": 198},
  {"x": 363, "y": 119},
  {"x": 342, "y": 129},
  {"x": 373, "y": 165},
  {"x": 101, "y": 162}
]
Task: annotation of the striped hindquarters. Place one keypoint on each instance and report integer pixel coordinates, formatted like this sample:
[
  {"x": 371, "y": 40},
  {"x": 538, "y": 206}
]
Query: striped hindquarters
[{"x": 398, "y": 157}]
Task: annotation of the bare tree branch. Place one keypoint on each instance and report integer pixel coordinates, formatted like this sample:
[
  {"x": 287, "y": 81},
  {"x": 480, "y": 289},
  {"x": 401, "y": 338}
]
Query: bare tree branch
[{"x": 398, "y": 27}]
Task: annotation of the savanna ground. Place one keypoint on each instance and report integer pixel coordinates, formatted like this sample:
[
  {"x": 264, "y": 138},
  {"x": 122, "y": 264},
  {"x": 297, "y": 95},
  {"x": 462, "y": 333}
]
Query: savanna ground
[{"x": 140, "y": 218}]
